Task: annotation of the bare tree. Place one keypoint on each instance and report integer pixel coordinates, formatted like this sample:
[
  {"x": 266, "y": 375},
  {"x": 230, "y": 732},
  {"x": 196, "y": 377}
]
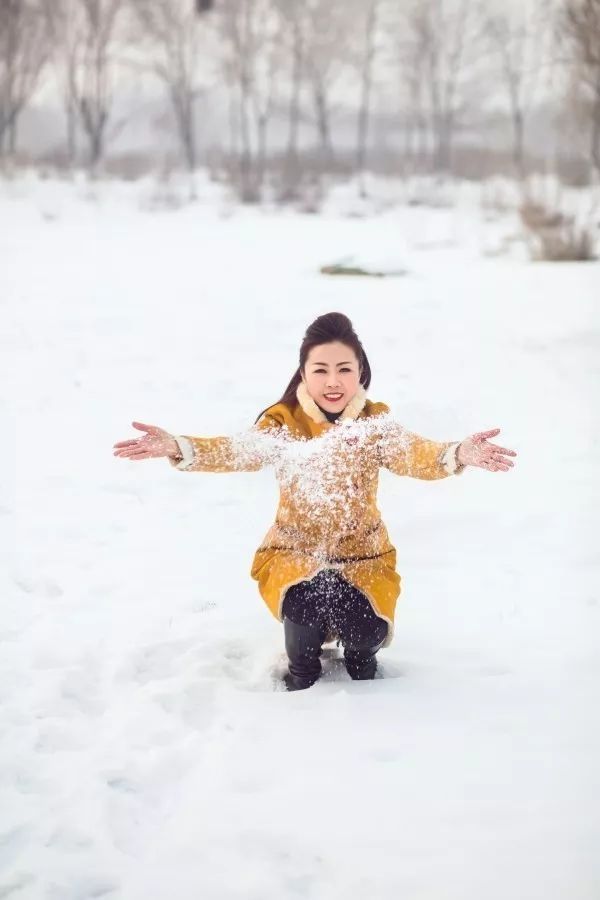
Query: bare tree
[
  {"x": 236, "y": 25},
  {"x": 439, "y": 56},
  {"x": 366, "y": 85},
  {"x": 519, "y": 41},
  {"x": 404, "y": 54},
  {"x": 251, "y": 59},
  {"x": 579, "y": 29},
  {"x": 329, "y": 29},
  {"x": 293, "y": 21},
  {"x": 23, "y": 55},
  {"x": 267, "y": 65},
  {"x": 176, "y": 39},
  {"x": 92, "y": 73},
  {"x": 64, "y": 40}
]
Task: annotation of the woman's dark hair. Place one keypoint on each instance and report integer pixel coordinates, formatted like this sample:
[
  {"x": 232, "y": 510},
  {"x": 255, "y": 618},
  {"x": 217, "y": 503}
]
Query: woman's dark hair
[{"x": 324, "y": 330}]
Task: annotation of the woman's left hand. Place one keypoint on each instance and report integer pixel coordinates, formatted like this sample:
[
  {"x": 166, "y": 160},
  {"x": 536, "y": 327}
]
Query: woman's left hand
[{"x": 475, "y": 451}]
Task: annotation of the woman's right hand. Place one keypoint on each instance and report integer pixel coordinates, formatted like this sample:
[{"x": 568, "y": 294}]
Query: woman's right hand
[{"x": 156, "y": 442}]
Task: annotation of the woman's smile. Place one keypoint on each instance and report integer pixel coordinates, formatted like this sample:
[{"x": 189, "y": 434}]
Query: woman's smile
[{"x": 332, "y": 375}]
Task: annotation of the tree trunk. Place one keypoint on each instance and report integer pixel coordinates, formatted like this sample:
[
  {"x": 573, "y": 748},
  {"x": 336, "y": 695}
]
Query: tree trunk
[
  {"x": 246, "y": 147},
  {"x": 294, "y": 108},
  {"x": 323, "y": 123},
  {"x": 518, "y": 120},
  {"x": 5, "y": 109},
  {"x": 437, "y": 139},
  {"x": 96, "y": 139},
  {"x": 407, "y": 139},
  {"x": 8, "y": 131},
  {"x": 183, "y": 108},
  {"x": 362, "y": 130},
  {"x": 71, "y": 133},
  {"x": 233, "y": 127},
  {"x": 3, "y": 124},
  {"x": 595, "y": 135},
  {"x": 12, "y": 135},
  {"x": 519, "y": 143},
  {"x": 261, "y": 155}
]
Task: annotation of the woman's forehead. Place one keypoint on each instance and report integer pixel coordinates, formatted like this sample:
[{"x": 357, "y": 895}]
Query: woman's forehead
[{"x": 334, "y": 352}]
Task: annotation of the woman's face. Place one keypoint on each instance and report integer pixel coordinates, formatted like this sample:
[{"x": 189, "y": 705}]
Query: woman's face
[{"x": 332, "y": 375}]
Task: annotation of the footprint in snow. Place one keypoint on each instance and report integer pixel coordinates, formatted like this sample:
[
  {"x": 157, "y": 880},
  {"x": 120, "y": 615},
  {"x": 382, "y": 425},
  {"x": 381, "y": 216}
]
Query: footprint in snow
[
  {"x": 12, "y": 844},
  {"x": 87, "y": 888},
  {"x": 13, "y": 888},
  {"x": 155, "y": 662}
]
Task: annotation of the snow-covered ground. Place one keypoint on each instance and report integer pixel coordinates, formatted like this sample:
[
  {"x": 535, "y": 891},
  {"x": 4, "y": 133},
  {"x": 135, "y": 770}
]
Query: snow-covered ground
[{"x": 148, "y": 750}]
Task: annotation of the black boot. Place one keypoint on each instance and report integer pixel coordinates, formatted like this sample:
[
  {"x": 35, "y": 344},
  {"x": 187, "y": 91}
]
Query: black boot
[
  {"x": 303, "y": 644},
  {"x": 361, "y": 665},
  {"x": 360, "y": 659}
]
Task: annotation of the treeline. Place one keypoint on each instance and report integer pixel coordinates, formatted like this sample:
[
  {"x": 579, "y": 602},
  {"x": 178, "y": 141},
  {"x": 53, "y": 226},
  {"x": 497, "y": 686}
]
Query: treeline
[{"x": 401, "y": 86}]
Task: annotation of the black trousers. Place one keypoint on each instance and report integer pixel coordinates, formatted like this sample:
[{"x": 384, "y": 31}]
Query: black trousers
[{"x": 331, "y": 603}]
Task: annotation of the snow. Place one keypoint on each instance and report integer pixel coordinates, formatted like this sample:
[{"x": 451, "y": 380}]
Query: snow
[{"x": 148, "y": 749}]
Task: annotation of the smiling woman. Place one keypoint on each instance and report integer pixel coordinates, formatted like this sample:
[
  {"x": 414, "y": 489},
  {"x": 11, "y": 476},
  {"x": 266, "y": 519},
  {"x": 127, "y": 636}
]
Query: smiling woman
[
  {"x": 333, "y": 365},
  {"x": 326, "y": 568},
  {"x": 333, "y": 378}
]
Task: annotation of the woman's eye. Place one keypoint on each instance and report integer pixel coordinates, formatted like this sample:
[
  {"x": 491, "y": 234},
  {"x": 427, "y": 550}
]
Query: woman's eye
[{"x": 320, "y": 371}]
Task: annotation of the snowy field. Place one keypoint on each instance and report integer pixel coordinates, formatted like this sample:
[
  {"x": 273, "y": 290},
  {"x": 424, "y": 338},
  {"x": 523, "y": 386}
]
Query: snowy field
[{"x": 147, "y": 749}]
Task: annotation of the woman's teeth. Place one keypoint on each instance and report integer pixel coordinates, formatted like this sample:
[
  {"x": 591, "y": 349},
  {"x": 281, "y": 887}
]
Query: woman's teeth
[{"x": 333, "y": 396}]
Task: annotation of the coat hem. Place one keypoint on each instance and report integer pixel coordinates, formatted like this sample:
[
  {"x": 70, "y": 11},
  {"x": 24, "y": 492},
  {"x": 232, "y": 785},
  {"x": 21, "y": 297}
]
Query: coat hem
[{"x": 284, "y": 590}]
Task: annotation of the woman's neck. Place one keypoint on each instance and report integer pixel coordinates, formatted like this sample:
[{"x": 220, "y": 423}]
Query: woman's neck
[{"x": 331, "y": 417}]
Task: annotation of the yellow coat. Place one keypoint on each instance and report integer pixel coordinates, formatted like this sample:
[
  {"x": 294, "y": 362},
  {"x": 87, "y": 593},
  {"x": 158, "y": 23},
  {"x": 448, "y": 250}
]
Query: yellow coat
[{"x": 327, "y": 515}]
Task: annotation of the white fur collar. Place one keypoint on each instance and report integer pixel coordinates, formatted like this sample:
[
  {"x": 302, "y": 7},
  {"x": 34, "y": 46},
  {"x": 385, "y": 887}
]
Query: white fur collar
[{"x": 351, "y": 411}]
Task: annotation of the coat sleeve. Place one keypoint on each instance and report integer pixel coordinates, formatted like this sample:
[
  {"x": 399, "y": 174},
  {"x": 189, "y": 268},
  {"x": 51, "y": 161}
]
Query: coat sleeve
[
  {"x": 248, "y": 451},
  {"x": 406, "y": 453}
]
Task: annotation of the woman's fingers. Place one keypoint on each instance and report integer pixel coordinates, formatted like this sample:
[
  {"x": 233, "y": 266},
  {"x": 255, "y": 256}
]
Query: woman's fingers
[
  {"x": 135, "y": 448},
  {"x": 497, "y": 449},
  {"x": 498, "y": 457},
  {"x": 495, "y": 465},
  {"x": 151, "y": 429},
  {"x": 137, "y": 454},
  {"x": 147, "y": 447},
  {"x": 129, "y": 445},
  {"x": 482, "y": 435}
]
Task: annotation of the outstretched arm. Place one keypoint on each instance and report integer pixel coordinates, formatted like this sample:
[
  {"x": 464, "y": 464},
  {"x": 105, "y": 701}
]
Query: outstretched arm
[
  {"x": 246, "y": 452},
  {"x": 406, "y": 453}
]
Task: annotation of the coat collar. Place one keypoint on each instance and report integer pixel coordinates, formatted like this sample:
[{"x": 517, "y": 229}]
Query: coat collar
[{"x": 351, "y": 411}]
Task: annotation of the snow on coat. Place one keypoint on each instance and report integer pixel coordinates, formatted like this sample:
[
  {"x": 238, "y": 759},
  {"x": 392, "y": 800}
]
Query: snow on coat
[{"x": 328, "y": 473}]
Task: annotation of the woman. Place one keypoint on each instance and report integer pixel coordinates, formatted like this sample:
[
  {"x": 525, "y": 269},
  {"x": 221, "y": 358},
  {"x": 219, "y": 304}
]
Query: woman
[{"x": 326, "y": 567}]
